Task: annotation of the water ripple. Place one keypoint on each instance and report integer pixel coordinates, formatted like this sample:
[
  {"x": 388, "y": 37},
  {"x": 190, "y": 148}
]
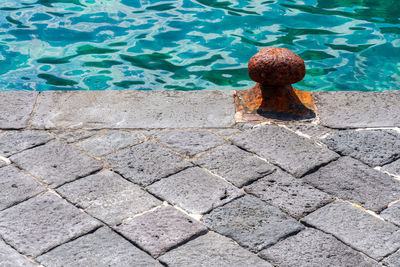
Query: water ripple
[{"x": 195, "y": 44}]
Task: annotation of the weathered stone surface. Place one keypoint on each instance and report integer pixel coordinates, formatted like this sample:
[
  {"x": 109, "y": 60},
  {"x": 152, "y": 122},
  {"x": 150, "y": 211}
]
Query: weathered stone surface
[
  {"x": 146, "y": 163},
  {"x": 14, "y": 142},
  {"x": 357, "y": 228},
  {"x": 158, "y": 231},
  {"x": 373, "y": 147},
  {"x": 212, "y": 250},
  {"x": 150, "y": 133},
  {"x": 2, "y": 163},
  {"x": 352, "y": 180},
  {"x": 134, "y": 109},
  {"x": 73, "y": 136},
  {"x": 251, "y": 222},
  {"x": 15, "y": 186},
  {"x": 392, "y": 214},
  {"x": 282, "y": 190},
  {"x": 227, "y": 132},
  {"x": 108, "y": 197},
  {"x": 358, "y": 109},
  {"x": 9, "y": 257},
  {"x": 393, "y": 260},
  {"x": 56, "y": 163},
  {"x": 39, "y": 224},
  {"x": 189, "y": 142},
  {"x": 310, "y": 129},
  {"x": 109, "y": 142},
  {"x": 244, "y": 126},
  {"x": 235, "y": 165},
  {"x": 195, "y": 190},
  {"x": 16, "y": 108},
  {"x": 314, "y": 248},
  {"x": 294, "y": 153},
  {"x": 101, "y": 248},
  {"x": 393, "y": 168}
]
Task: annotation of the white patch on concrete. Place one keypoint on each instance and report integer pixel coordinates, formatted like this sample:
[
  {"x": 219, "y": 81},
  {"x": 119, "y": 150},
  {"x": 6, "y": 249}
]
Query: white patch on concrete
[
  {"x": 144, "y": 212},
  {"x": 324, "y": 136},
  {"x": 378, "y": 168},
  {"x": 197, "y": 217},
  {"x": 394, "y": 202},
  {"x": 367, "y": 211},
  {"x": 379, "y": 128},
  {"x": 6, "y": 160},
  {"x": 295, "y": 131}
]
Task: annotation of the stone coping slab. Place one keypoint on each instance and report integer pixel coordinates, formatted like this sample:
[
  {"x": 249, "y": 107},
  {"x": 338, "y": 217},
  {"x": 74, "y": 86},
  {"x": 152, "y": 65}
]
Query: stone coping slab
[
  {"x": 178, "y": 109},
  {"x": 134, "y": 109},
  {"x": 344, "y": 109},
  {"x": 16, "y": 108}
]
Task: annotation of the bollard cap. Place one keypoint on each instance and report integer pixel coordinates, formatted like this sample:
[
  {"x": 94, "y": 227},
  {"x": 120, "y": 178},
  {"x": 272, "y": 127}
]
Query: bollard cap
[{"x": 273, "y": 66}]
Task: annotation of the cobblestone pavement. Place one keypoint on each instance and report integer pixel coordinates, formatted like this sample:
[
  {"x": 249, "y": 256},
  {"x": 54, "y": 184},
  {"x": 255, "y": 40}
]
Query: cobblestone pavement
[{"x": 88, "y": 179}]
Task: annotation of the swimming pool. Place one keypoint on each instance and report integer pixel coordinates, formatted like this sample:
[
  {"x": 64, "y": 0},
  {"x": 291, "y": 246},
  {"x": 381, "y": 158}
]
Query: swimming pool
[{"x": 195, "y": 44}]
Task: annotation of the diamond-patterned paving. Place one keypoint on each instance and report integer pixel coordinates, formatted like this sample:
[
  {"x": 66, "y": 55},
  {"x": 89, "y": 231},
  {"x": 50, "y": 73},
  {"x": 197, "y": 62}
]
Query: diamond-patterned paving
[{"x": 312, "y": 193}]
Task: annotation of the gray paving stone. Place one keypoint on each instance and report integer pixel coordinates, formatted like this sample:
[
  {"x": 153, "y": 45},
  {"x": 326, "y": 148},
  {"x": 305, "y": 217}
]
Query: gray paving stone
[
  {"x": 357, "y": 228},
  {"x": 73, "y": 136},
  {"x": 294, "y": 153},
  {"x": 373, "y": 147},
  {"x": 393, "y": 260},
  {"x": 393, "y": 168},
  {"x": 352, "y": 180},
  {"x": 246, "y": 125},
  {"x": 310, "y": 129},
  {"x": 9, "y": 257},
  {"x": 251, "y": 222},
  {"x": 158, "y": 231},
  {"x": 392, "y": 214},
  {"x": 195, "y": 190},
  {"x": 101, "y": 248},
  {"x": 212, "y": 250},
  {"x": 16, "y": 108},
  {"x": 108, "y": 197},
  {"x": 109, "y": 142},
  {"x": 282, "y": 190},
  {"x": 134, "y": 109},
  {"x": 150, "y": 133},
  {"x": 56, "y": 163},
  {"x": 15, "y": 187},
  {"x": 235, "y": 165},
  {"x": 346, "y": 109},
  {"x": 227, "y": 132},
  {"x": 39, "y": 224},
  {"x": 14, "y": 142},
  {"x": 314, "y": 248},
  {"x": 189, "y": 142},
  {"x": 146, "y": 163}
]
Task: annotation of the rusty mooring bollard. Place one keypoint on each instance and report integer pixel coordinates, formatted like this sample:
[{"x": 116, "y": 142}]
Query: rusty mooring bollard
[{"x": 273, "y": 97}]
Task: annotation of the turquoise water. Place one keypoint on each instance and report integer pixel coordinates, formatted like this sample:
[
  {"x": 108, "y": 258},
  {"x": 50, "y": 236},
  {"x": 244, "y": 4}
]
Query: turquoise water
[{"x": 195, "y": 44}]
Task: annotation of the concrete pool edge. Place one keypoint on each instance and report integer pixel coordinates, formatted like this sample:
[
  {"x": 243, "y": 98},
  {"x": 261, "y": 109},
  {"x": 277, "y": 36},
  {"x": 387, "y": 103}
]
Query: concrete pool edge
[{"x": 178, "y": 109}]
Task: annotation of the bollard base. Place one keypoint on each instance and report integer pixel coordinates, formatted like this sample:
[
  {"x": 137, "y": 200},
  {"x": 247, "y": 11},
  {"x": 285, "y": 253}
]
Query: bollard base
[{"x": 284, "y": 103}]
